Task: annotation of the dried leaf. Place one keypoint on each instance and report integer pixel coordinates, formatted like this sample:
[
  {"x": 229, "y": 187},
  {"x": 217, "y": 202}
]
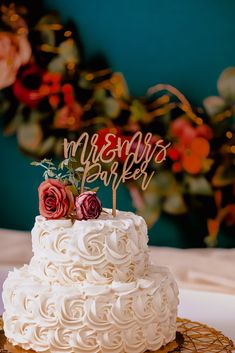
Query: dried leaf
[
  {"x": 218, "y": 198},
  {"x": 224, "y": 175},
  {"x": 213, "y": 226},
  {"x": 79, "y": 169}
]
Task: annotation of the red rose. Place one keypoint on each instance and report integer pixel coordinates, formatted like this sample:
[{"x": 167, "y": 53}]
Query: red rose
[
  {"x": 56, "y": 200},
  {"x": 88, "y": 205},
  {"x": 27, "y": 86},
  {"x": 112, "y": 139}
]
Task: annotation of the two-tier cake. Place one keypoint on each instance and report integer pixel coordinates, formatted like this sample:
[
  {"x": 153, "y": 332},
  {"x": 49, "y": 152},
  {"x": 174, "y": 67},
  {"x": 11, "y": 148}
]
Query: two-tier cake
[{"x": 90, "y": 288}]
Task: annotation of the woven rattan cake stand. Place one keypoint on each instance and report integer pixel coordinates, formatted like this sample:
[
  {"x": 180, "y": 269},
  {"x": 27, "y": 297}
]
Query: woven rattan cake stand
[{"x": 191, "y": 337}]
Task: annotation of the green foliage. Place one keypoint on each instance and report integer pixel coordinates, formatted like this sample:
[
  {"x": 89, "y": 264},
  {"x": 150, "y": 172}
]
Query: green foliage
[{"x": 72, "y": 97}]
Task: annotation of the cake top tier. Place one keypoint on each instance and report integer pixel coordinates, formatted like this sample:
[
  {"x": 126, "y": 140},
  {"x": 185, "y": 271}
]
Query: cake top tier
[
  {"x": 98, "y": 250},
  {"x": 105, "y": 217}
]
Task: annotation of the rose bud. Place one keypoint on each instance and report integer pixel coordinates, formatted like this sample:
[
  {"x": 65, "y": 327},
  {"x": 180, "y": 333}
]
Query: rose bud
[{"x": 88, "y": 206}]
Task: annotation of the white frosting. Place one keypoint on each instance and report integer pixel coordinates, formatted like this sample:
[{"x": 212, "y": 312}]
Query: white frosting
[
  {"x": 100, "y": 250},
  {"x": 90, "y": 288},
  {"x": 119, "y": 317}
]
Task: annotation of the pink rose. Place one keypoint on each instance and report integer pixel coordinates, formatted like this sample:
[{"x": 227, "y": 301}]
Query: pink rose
[
  {"x": 69, "y": 117},
  {"x": 15, "y": 51},
  {"x": 56, "y": 200},
  {"x": 88, "y": 205}
]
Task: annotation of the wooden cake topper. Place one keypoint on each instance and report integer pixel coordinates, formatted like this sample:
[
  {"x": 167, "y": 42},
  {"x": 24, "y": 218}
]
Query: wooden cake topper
[{"x": 139, "y": 151}]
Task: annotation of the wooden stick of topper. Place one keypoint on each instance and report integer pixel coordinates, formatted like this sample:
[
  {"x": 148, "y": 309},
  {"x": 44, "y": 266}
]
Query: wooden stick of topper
[{"x": 139, "y": 151}]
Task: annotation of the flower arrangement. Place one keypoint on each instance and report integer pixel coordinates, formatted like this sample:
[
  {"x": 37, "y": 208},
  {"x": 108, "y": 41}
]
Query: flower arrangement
[
  {"x": 60, "y": 196},
  {"x": 48, "y": 92}
]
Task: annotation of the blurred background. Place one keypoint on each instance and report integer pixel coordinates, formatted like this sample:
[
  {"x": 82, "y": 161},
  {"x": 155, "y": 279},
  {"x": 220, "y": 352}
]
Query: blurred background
[{"x": 185, "y": 44}]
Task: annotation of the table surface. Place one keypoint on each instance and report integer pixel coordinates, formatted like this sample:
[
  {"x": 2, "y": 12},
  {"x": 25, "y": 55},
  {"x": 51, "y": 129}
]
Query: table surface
[
  {"x": 206, "y": 278},
  {"x": 213, "y": 309}
]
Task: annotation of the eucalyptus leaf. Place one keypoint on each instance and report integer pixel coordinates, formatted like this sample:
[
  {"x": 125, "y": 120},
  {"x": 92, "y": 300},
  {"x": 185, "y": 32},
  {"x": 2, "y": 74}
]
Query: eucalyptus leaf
[
  {"x": 47, "y": 145},
  {"x": 46, "y": 26},
  {"x": 64, "y": 163},
  {"x": 30, "y": 136},
  {"x": 50, "y": 19},
  {"x": 174, "y": 204},
  {"x": 214, "y": 105},
  {"x": 79, "y": 169},
  {"x": 150, "y": 214},
  {"x": 48, "y": 37},
  {"x": 47, "y": 161},
  {"x": 58, "y": 148},
  {"x": 99, "y": 95},
  {"x": 138, "y": 111},
  {"x": 69, "y": 51},
  {"x": 210, "y": 241},
  {"x": 50, "y": 173},
  {"x": 112, "y": 107},
  {"x": 95, "y": 189},
  {"x": 226, "y": 84},
  {"x": 163, "y": 183},
  {"x": 57, "y": 65},
  {"x": 198, "y": 185}
]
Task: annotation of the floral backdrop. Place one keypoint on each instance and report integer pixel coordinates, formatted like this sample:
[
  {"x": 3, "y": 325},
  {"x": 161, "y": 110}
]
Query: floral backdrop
[{"x": 48, "y": 91}]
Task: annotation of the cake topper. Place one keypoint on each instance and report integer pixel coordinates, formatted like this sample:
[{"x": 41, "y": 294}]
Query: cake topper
[
  {"x": 114, "y": 160},
  {"x": 118, "y": 159}
]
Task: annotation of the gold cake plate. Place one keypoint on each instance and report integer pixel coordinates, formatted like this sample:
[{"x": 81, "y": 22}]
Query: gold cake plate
[{"x": 191, "y": 337}]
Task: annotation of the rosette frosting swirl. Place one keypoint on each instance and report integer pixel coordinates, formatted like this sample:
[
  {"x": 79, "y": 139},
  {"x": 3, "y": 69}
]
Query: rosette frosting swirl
[
  {"x": 90, "y": 288},
  {"x": 118, "y": 317},
  {"x": 100, "y": 251}
]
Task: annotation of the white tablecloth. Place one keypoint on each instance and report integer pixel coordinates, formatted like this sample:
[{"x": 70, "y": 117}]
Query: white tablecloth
[{"x": 197, "y": 272}]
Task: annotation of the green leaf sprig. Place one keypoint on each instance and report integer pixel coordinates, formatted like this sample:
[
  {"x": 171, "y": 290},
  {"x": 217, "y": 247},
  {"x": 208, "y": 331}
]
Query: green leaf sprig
[{"x": 67, "y": 171}]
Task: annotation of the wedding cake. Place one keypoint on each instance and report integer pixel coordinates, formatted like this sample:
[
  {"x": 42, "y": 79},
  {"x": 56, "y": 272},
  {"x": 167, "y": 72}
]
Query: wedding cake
[{"x": 90, "y": 288}]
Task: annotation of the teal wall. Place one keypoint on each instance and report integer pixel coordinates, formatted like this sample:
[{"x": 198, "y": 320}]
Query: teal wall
[
  {"x": 186, "y": 43},
  {"x": 183, "y": 42}
]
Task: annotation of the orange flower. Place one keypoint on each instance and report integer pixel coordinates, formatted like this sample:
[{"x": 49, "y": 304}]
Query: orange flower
[{"x": 195, "y": 155}]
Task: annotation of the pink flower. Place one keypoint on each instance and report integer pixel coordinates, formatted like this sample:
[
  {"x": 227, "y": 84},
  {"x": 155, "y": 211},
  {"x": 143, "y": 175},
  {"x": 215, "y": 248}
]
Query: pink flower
[
  {"x": 56, "y": 200},
  {"x": 88, "y": 205},
  {"x": 183, "y": 130},
  {"x": 15, "y": 51},
  {"x": 204, "y": 131},
  {"x": 69, "y": 117}
]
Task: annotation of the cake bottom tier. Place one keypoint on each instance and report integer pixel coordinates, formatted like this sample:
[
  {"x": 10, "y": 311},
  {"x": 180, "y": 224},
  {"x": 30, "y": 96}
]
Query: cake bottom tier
[{"x": 116, "y": 318}]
